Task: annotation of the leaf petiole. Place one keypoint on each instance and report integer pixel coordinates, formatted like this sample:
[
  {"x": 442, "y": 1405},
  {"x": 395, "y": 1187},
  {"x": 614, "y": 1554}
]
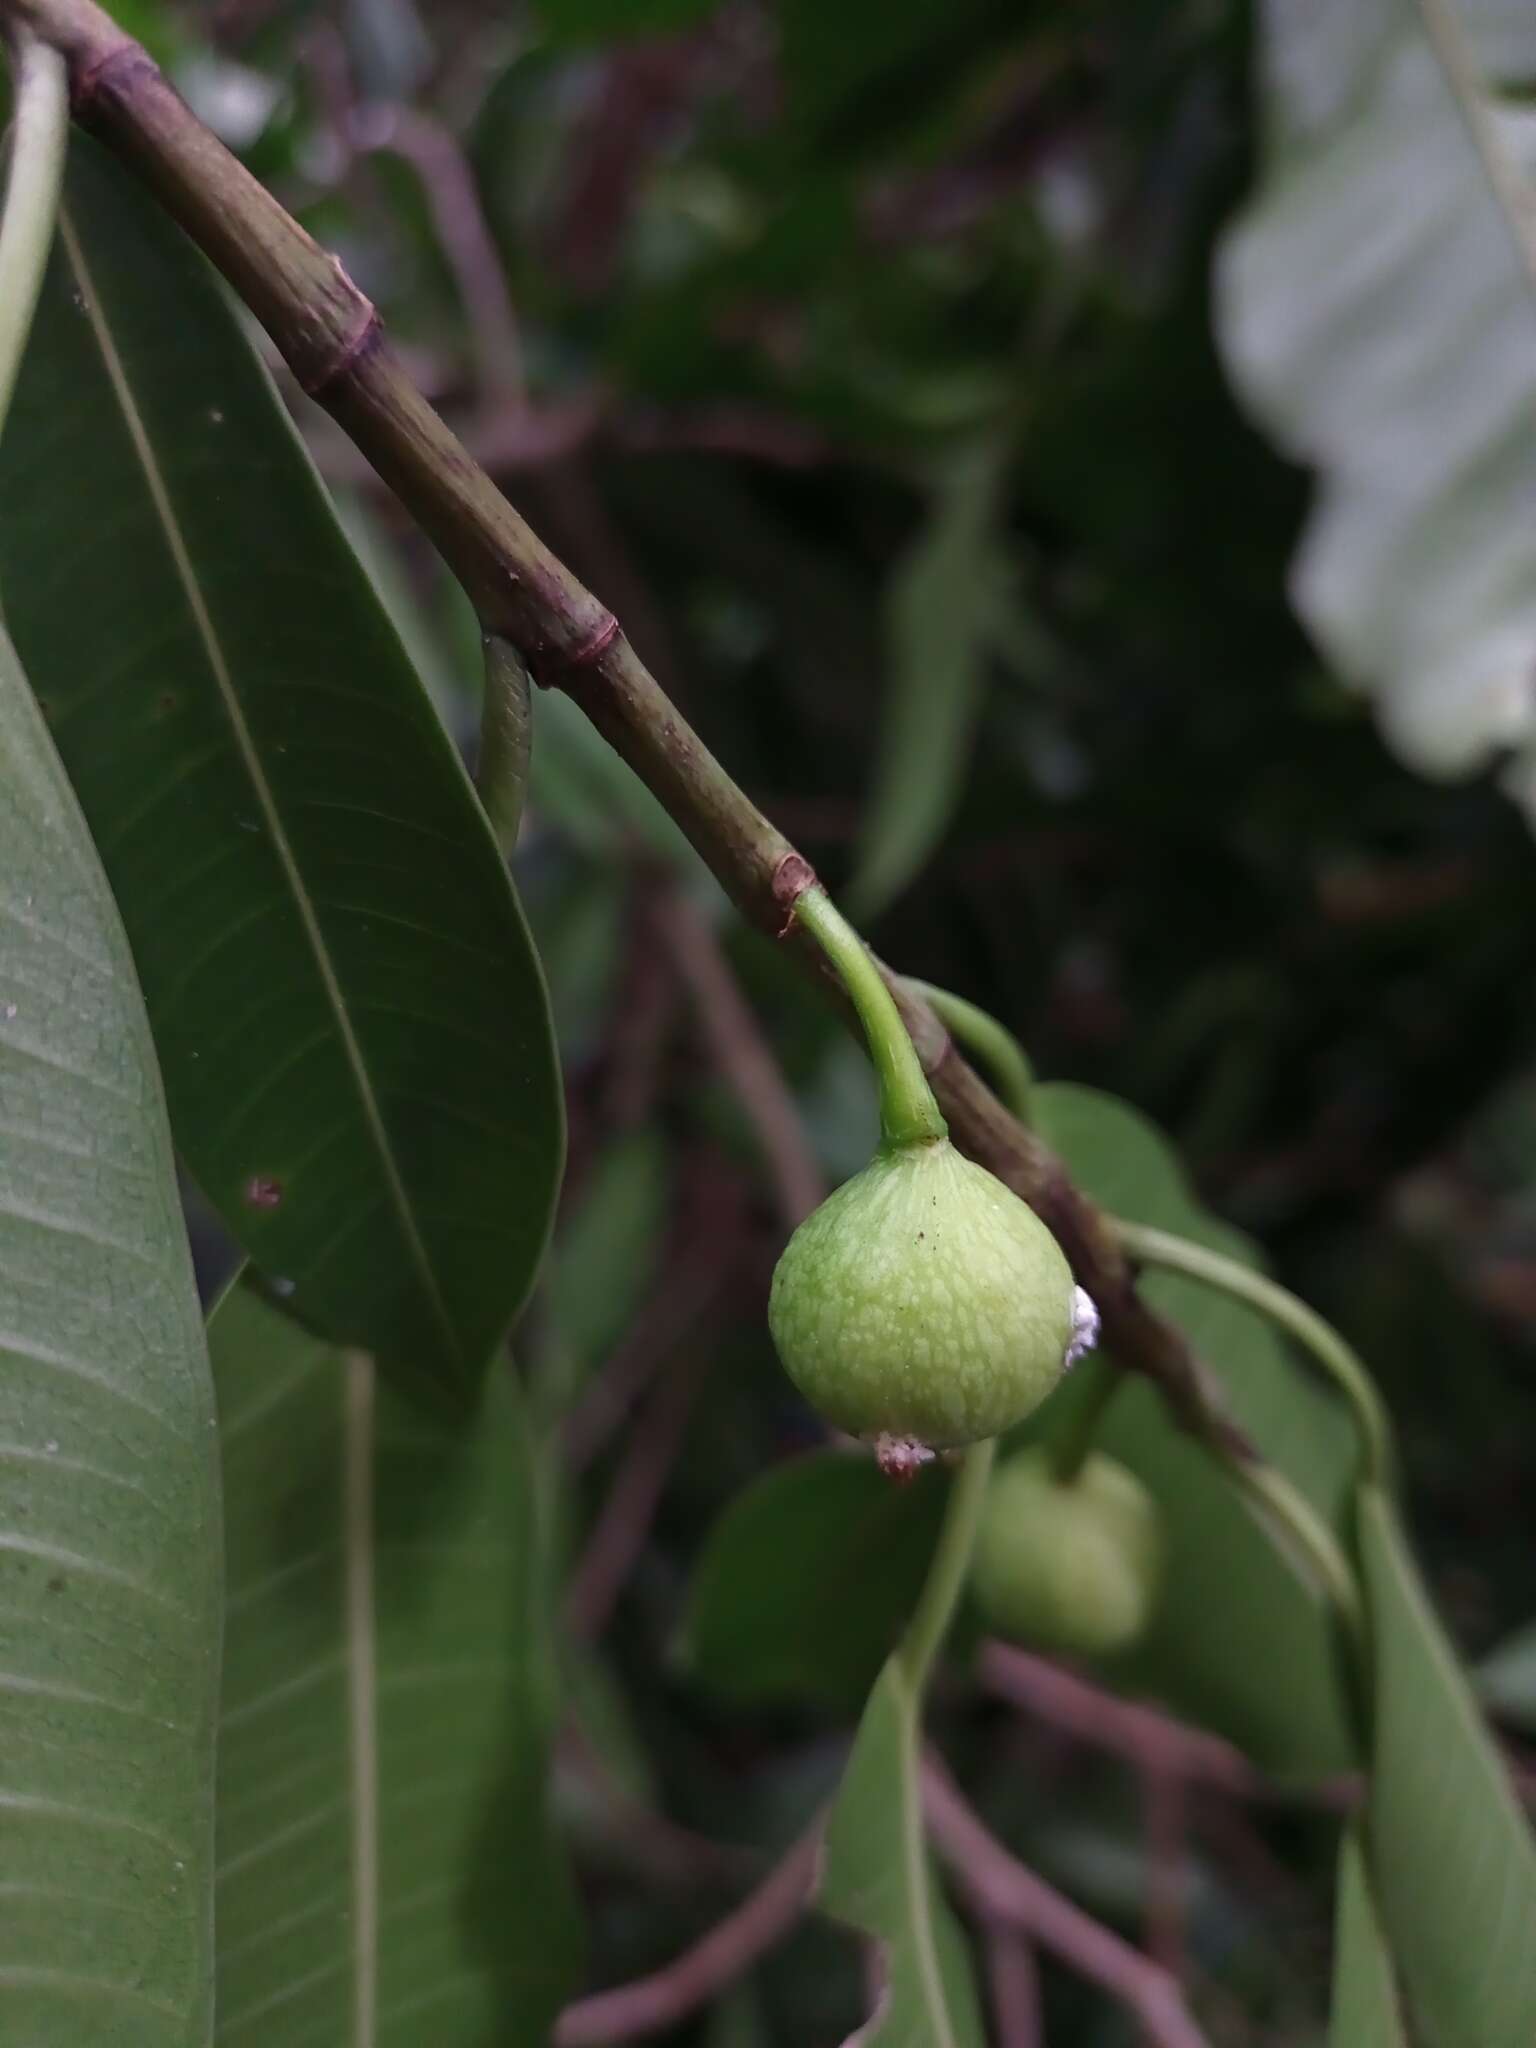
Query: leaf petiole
[
  {"x": 978, "y": 1032},
  {"x": 946, "y": 1574},
  {"x": 39, "y": 137},
  {"x": 1339, "y": 1360}
]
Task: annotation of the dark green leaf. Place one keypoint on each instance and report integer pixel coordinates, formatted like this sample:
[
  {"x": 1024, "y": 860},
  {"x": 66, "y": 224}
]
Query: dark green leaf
[
  {"x": 808, "y": 1579},
  {"x": 109, "y": 1531},
  {"x": 1239, "y": 1643},
  {"x": 387, "y": 1870},
  {"x": 344, "y": 998},
  {"x": 939, "y": 614},
  {"x": 877, "y": 1876},
  {"x": 1366, "y": 2012},
  {"x": 1452, "y": 1855}
]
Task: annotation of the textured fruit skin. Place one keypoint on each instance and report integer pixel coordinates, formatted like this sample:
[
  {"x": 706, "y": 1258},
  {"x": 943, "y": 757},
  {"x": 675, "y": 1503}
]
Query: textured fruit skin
[
  {"x": 923, "y": 1301},
  {"x": 1074, "y": 1567}
]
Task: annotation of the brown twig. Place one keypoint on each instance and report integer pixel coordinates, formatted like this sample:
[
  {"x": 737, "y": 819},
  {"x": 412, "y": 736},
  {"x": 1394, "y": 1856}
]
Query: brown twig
[
  {"x": 1164, "y": 1808},
  {"x": 646, "y": 1840},
  {"x": 694, "y": 1276},
  {"x": 1002, "y": 1890},
  {"x": 465, "y": 238},
  {"x": 1145, "y": 1736},
  {"x": 619, "y": 1534},
  {"x": 737, "y": 1047},
  {"x": 654, "y": 2003},
  {"x": 333, "y": 341},
  {"x": 1014, "y": 1981},
  {"x": 640, "y": 1030}
]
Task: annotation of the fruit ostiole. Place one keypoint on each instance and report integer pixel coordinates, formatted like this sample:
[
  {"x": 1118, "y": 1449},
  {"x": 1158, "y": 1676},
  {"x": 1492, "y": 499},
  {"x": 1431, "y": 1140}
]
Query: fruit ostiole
[{"x": 923, "y": 1307}]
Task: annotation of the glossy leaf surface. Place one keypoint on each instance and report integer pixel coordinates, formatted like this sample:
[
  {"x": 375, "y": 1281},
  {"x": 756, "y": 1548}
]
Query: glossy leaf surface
[
  {"x": 1452, "y": 1855},
  {"x": 387, "y": 1870},
  {"x": 878, "y": 1876},
  {"x": 109, "y": 1521},
  {"x": 345, "y": 1002}
]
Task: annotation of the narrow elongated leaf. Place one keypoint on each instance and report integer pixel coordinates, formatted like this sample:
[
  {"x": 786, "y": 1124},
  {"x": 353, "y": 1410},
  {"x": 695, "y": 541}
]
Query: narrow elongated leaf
[
  {"x": 1452, "y": 1856},
  {"x": 1377, "y": 314},
  {"x": 808, "y": 1579},
  {"x": 938, "y": 628},
  {"x": 387, "y": 1873},
  {"x": 343, "y": 995},
  {"x": 1366, "y": 2012},
  {"x": 878, "y": 1877},
  {"x": 109, "y": 1526},
  {"x": 1238, "y": 1643}
]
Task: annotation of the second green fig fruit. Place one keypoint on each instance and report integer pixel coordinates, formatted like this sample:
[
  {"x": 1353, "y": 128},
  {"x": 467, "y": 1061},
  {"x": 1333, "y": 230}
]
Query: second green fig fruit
[
  {"x": 1071, "y": 1565},
  {"x": 923, "y": 1305}
]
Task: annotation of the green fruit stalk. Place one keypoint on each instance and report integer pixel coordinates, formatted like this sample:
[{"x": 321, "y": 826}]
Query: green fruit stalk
[{"x": 1072, "y": 1565}]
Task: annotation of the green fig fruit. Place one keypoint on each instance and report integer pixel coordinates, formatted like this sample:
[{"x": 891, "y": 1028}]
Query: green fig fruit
[
  {"x": 924, "y": 1306},
  {"x": 1070, "y": 1565}
]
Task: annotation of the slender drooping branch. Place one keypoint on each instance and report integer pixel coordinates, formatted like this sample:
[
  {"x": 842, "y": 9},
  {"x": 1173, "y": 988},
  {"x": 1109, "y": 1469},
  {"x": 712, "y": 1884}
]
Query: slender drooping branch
[
  {"x": 654, "y": 2004},
  {"x": 737, "y": 1046},
  {"x": 332, "y": 339},
  {"x": 1002, "y": 1889},
  {"x": 1139, "y": 1733}
]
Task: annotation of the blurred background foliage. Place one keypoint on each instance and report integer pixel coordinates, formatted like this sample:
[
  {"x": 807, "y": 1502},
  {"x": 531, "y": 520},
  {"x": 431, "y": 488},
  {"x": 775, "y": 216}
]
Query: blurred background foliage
[{"x": 861, "y": 356}]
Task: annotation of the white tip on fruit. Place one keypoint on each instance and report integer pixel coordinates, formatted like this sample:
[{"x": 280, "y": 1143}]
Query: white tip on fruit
[{"x": 1085, "y": 1325}]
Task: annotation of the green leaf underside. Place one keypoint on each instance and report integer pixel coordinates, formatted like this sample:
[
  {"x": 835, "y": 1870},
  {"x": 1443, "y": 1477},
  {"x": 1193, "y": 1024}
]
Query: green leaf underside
[
  {"x": 1366, "y": 2012},
  {"x": 387, "y": 1873},
  {"x": 878, "y": 1877},
  {"x": 1452, "y": 1855},
  {"x": 1238, "y": 1643},
  {"x": 345, "y": 1001},
  {"x": 109, "y": 1525},
  {"x": 1376, "y": 314},
  {"x": 939, "y": 615},
  {"x": 808, "y": 1579}
]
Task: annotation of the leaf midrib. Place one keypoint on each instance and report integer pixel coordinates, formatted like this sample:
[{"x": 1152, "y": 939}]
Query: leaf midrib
[
  {"x": 213, "y": 650},
  {"x": 362, "y": 1690}
]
